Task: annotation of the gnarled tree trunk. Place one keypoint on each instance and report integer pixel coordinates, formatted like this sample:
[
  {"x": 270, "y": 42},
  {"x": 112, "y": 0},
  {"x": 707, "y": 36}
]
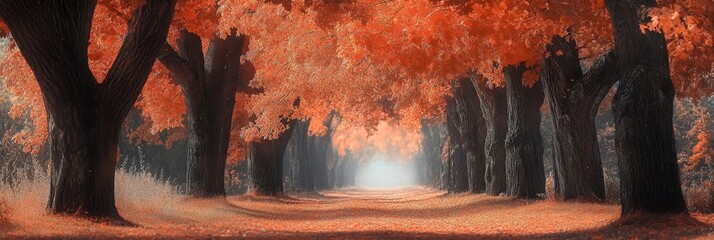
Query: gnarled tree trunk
[
  {"x": 467, "y": 130},
  {"x": 318, "y": 149},
  {"x": 434, "y": 138},
  {"x": 642, "y": 105},
  {"x": 573, "y": 99},
  {"x": 85, "y": 116},
  {"x": 301, "y": 165},
  {"x": 209, "y": 85},
  {"x": 458, "y": 172},
  {"x": 494, "y": 107},
  {"x": 525, "y": 174},
  {"x": 265, "y": 165}
]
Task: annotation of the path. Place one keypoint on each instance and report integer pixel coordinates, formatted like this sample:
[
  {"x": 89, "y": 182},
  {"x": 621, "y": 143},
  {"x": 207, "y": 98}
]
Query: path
[{"x": 365, "y": 213}]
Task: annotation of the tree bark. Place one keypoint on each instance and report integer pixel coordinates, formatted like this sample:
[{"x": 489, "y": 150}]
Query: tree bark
[
  {"x": 209, "y": 85},
  {"x": 301, "y": 164},
  {"x": 457, "y": 162},
  {"x": 494, "y": 106},
  {"x": 445, "y": 170},
  {"x": 318, "y": 149},
  {"x": 574, "y": 99},
  {"x": 525, "y": 173},
  {"x": 265, "y": 165},
  {"x": 467, "y": 130},
  {"x": 433, "y": 139},
  {"x": 85, "y": 116},
  {"x": 642, "y": 105}
]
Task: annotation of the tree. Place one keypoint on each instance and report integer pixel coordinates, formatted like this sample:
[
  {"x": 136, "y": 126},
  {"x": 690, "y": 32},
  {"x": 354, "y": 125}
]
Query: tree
[
  {"x": 643, "y": 106},
  {"x": 209, "y": 84},
  {"x": 265, "y": 165},
  {"x": 433, "y": 139},
  {"x": 457, "y": 161},
  {"x": 85, "y": 116},
  {"x": 467, "y": 131},
  {"x": 574, "y": 98},
  {"x": 525, "y": 174},
  {"x": 494, "y": 105}
]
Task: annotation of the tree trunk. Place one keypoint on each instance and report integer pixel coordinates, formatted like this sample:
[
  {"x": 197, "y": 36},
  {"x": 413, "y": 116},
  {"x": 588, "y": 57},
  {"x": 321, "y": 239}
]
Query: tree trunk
[
  {"x": 301, "y": 165},
  {"x": 458, "y": 172},
  {"x": 209, "y": 85},
  {"x": 525, "y": 174},
  {"x": 85, "y": 116},
  {"x": 305, "y": 165},
  {"x": 433, "y": 138},
  {"x": 445, "y": 169},
  {"x": 467, "y": 131},
  {"x": 318, "y": 149},
  {"x": 642, "y": 105},
  {"x": 574, "y": 99},
  {"x": 265, "y": 165},
  {"x": 494, "y": 107}
]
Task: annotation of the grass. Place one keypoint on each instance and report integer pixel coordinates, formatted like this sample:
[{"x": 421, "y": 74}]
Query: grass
[{"x": 137, "y": 190}]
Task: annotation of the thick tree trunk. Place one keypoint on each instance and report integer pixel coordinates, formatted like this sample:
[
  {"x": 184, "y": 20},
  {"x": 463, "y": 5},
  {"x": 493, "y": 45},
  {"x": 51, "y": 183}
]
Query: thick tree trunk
[
  {"x": 494, "y": 107},
  {"x": 306, "y": 165},
  {"x": 458, "y": 172},
  {"x": 525, "y": 174},
  {"x": 573, "y": 99},
  {"x": 467, "y": 130},
  {"x": 85, "y": 116},
  {"x": 433, "y": 139},
  {"x": 209, "y": 85},
  {"x": 318, "y": 149},
  {"x": 642, "y": 105},
  {"x": 301, "y": 165},
  {"x": 265, "y": 165}
]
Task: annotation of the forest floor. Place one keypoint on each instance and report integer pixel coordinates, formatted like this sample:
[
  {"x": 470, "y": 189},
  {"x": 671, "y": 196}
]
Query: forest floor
[{"x": 361, "y": 213}]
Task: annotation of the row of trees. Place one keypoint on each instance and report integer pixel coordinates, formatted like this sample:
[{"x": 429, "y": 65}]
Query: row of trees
[{"x": 387, "y": 60}]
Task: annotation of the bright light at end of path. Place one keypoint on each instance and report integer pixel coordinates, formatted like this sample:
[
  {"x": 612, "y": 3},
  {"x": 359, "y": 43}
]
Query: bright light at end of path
[{"x": 381, "y": 173}]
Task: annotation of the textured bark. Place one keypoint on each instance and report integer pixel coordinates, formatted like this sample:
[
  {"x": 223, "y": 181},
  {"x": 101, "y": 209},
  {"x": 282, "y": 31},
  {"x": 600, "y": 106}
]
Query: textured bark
[
  {"x": 444, "y": 163},
  {"x": 85, "y": 116},
  {"x": 494, "y": 107},
  {"x": 209, "y": 85},
  {"x": 433, "y": 140},
  {"x": 458, "y": 180},
  {"x": 319, "y": 147},
  {"x": 642, "y": 105},
  {"x": 265, "y": 165},
  {"x": 525, "y": 174},
  {"x": 301, "y": 165},
  {"x": 467, "y": 131},
  {"x": 574, "y": 98}
]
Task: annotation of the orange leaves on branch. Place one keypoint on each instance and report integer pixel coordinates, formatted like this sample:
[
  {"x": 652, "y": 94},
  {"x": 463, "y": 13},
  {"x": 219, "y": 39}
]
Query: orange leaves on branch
[
  {"x": 703, "y": 149},
  {"x": 689, "y": 29},
  {"x": 161, "y": 102}
]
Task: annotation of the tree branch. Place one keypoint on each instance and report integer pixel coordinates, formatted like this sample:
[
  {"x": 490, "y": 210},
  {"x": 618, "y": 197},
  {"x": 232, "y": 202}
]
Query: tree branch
[
  {"x": 145, "y": 36},
  {"x": 173, "y": 62},
  {"x": 598, "y": 80}
]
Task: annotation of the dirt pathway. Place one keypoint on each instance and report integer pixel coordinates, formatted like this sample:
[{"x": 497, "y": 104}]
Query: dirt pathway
[{"x": 358, "y": 213}]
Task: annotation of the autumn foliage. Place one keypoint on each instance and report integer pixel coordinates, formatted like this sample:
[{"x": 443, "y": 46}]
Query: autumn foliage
[{"x": 401, "y": 55}]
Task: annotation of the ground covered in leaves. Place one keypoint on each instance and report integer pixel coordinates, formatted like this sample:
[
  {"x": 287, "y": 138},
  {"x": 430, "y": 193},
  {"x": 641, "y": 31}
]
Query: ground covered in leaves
[{"x": 362, "y": 213}]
